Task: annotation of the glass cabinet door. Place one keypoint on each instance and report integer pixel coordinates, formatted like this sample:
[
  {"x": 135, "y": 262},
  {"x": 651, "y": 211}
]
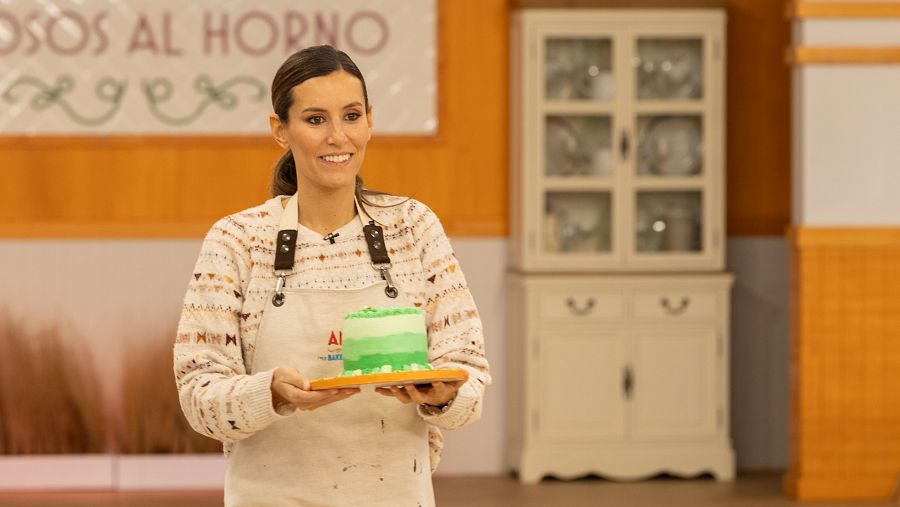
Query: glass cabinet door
[
  {"x": 576, "y": 181},
  {"x": 670, "y": 159}
]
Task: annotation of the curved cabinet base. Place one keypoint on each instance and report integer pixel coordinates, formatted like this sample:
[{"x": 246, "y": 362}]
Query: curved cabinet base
[{"x": 624, "y": 464}]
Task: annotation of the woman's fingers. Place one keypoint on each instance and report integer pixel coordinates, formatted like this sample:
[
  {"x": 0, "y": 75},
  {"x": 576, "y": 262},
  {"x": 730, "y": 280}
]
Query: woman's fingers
[
  {"x": 437, "y": 393},
  {"x": 310, "y": 400},
  {"x": 414, "y": 394}
]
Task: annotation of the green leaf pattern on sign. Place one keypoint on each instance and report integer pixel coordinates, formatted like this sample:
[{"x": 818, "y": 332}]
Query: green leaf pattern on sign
[
  {"x": 107, "y": 90},
  {"x": 160, "y": 90},
  {"x": 111, "y": 91}
]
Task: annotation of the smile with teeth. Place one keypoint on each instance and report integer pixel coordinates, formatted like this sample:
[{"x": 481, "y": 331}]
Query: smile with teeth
[{"x": 336, "y": 159}]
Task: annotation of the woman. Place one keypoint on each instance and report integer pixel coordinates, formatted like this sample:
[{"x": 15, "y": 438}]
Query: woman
[{"x": 265, "y": 306}]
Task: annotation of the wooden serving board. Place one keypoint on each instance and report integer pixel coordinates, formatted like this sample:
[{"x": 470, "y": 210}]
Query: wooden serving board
[{"x": 390, "y": 379}]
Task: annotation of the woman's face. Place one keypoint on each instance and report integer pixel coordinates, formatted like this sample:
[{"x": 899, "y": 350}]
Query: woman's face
[{"x": 327, "y": 130}]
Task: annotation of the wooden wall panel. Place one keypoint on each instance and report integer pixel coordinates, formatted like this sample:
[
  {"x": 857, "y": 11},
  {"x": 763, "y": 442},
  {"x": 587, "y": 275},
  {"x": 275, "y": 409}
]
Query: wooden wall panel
[
  {"x": 759, "y": 119},
  {"x": 845, "y": 360},
  {"x": 157, "y": 187}
]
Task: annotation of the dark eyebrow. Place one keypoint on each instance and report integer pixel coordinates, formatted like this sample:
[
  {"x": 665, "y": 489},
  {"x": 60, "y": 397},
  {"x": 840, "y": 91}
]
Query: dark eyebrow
[{"x": 320, "y": 110}]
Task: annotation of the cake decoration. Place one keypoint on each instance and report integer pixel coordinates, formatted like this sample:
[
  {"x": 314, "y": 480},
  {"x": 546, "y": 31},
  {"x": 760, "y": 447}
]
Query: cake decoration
[{"x": 384, "y": 340}]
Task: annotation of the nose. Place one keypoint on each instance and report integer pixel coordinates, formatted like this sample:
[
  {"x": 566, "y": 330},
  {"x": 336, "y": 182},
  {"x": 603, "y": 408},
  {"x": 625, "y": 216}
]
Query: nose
[{"x": 337, "y": 136}]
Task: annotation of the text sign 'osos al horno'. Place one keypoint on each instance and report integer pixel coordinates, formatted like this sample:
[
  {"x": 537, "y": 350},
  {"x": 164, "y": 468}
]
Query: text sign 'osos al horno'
[{"x": 170, "y": 67}]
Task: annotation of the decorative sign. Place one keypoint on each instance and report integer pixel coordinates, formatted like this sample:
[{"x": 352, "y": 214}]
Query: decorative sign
[{"x": 170, "y": 67}]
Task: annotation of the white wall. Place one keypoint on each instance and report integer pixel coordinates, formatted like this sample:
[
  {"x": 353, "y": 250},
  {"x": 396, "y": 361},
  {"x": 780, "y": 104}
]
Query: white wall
[
  {"x": 760, "y": 345},
  {"x": 847, "y": 130}
]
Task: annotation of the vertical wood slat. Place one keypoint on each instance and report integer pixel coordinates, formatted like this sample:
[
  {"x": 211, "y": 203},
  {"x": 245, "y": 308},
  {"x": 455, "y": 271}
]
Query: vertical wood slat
[
  {"x": 845, "y": 360},
  {"x": 758, "y": 119}
]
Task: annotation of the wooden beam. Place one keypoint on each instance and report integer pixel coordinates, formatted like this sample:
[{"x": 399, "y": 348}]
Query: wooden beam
[
  {"x": 810, "y": 55},
  {"x": 845, "y": 10},
  {"x": 618, "y": 4},
  {"x": 105, "y": 230}
]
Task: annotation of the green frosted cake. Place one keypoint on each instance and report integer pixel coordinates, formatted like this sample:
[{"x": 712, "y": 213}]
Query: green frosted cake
[{"x": 384, "y": 340}]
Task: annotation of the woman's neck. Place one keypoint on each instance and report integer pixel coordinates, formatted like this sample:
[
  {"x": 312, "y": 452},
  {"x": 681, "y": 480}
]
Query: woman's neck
[{"x": 325, "y": 212}]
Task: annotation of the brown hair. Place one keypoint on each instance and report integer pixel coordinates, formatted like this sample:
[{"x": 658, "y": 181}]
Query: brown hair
[{"x": 314, "y": 61}]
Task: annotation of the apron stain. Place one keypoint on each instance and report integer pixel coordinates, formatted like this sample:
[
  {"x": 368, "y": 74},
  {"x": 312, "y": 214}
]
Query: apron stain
[
  {"x": 348, "y": 467},
  {"x": 382, "y": 425},
  {"x": 335, "y": 486},
  {"x": 415, "y": 464}
]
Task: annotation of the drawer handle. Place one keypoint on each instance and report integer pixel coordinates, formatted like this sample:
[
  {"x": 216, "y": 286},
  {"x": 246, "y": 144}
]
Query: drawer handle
[
  {"x": 589, "y": 305},
  {"x": 685, "y": 301}
]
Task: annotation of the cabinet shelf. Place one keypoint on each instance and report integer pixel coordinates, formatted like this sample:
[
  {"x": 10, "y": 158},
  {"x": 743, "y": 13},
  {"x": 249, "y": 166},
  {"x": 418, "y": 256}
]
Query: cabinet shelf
[
  {"x": 673, "y": 183},
  {"x": 578, "y": 183},
  {"x": 582, "y": 107},
  {"x": 670, "y": 107}
]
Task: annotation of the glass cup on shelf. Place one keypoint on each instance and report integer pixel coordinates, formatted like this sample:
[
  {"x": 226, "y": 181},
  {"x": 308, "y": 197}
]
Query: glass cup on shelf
[{"x": 669, "y": 221}]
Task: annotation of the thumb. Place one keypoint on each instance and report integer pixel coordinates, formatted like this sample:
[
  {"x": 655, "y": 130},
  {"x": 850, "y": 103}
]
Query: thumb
[{"x": 295, "y": 378}]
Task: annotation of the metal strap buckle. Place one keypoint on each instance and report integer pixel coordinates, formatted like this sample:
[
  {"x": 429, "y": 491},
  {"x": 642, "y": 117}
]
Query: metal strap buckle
[
  {"x": 390, "y": 290},
  {"x": 278, "y": 298}
]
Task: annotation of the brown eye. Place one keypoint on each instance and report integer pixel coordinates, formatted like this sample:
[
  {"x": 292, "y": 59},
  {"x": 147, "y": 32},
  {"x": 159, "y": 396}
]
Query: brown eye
[
  {"x": 315, "y": 120},
  {"x": 353, "y": 116}
]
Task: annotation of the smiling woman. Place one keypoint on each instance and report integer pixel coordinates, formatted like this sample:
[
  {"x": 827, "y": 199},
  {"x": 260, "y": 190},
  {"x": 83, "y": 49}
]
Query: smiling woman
[{"x": 271, "y": 288}]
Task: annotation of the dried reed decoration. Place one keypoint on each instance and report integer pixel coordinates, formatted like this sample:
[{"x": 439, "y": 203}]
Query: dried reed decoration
[
  {"x": 50, "y": 401},
  {"x": 153, "y": 421}
]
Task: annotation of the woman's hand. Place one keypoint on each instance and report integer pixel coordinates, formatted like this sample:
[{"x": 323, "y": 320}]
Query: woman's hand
[
  {"x": 437, "y": 394},
  {"x": 290, "y": 387}
]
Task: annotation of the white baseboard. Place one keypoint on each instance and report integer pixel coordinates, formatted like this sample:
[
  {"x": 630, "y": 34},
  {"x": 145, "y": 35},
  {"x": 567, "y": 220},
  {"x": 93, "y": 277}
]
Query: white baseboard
[
  {"x": 107, "y": 472},
  {"x": 168, "y": 471},
  {"x": 57, "y": 472}
]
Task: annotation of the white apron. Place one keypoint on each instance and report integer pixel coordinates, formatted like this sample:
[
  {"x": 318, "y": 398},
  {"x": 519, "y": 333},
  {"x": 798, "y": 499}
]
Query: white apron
[{"x": 366, "y": 450}]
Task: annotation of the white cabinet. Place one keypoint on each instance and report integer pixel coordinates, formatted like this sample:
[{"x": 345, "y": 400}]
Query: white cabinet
[
  {"x": 611, "y": 377},
  {"x": 619, "y": 307}
]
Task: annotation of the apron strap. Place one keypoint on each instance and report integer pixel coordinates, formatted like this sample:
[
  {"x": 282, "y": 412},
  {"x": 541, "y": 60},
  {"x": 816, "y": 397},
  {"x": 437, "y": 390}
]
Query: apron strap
[{"x": 286, "y": 248}]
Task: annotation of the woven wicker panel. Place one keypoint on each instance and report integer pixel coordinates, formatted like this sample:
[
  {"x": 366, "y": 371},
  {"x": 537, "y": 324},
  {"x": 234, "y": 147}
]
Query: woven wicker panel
[{"x": 845, "y": 421}]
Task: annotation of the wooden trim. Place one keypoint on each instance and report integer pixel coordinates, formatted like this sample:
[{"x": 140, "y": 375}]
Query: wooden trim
[
  {"x": 105, "y": 230},
  {"x": 619, "y": 4},
  {"x": 128, "y": 141},
  {"x": 806, "y": 55},
  {"x": 845, "y": 237},
  {"x": 188, "y": 229},
  {"x": 476, "y": 228},
  {"x": 801, "y": 10}
]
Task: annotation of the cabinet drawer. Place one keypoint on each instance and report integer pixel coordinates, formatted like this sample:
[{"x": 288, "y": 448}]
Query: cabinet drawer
[
  {"x": 675, "y": 304},
  {"x": 580, "y": 304}
]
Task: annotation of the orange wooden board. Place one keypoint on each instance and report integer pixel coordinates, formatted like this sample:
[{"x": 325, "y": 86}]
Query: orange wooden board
[{"x": 390, "y": 379}]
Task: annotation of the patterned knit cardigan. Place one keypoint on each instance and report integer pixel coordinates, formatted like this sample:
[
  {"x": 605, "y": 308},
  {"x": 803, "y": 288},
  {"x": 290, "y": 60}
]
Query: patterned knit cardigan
[{"x": 220, "y": 394}]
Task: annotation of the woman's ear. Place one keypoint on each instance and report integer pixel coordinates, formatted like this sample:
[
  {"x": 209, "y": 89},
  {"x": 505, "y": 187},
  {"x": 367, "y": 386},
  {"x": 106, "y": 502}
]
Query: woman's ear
[
  {"x": 278, "y": 131},
  {"x": 369, "y": 119}
]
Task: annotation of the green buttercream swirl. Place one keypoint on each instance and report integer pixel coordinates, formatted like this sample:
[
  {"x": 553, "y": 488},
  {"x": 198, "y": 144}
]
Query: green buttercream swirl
[{"x": 371, "y": 313}]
